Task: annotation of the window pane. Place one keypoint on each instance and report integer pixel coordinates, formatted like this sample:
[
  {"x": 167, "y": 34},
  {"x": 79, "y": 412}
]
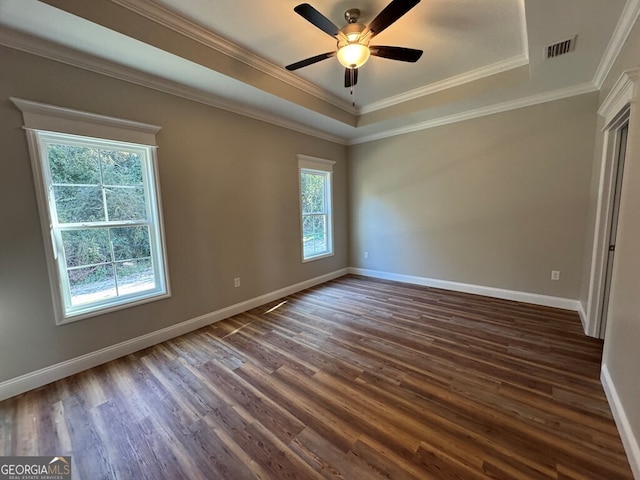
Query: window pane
[
  {"x": 79, "y": 204},
  {"x": 70, "y": 164},
  {"x": 314, "y": 231},
  {"x": 92, "y": 284},
  {"x": 125, "y": 203},
  {"x": 135, "y": 276},
  {"x": 86, "y": 247},
  {"x": 121, "y": 168},
  {"x": 130, "y": 242},
  {"x": 313, "y": 186},
  {"x": 103, "y": 208}
]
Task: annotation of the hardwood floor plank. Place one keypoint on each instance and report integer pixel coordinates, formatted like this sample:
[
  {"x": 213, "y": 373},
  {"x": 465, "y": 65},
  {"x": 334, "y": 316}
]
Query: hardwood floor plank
[
  {"x": 242, "y": 464},
  {"x": 183, "y": 455},
  {"x": 378, "y": 458},
  {"x": 309, "y": 411},
  {"x": 351, "y": 412},
  {"x": 88, "y": 451},
  {"x": 329, "y": 461},
  {"x": 353, "y": 379},
  {"x": 237, "y": 391},
  {"x": 123, "y": 442}
]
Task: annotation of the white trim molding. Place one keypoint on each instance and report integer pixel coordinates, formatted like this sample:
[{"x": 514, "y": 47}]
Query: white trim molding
[
  {"x": 49, "y": 124},
  {"x": 67, "y": 56},
  {"x": 480, "y": 112},
  {"x": 623, "y": 28},
  {"x": 58, "y": 53},
  {"x": 41, "y": 116},
  {"x": 524, "y": 31},
  {"x": 451, "y": 82},
  {"x": 616, "y": 102},
  {"x": 619, "y": 96},
  {"x": 167, "y": 18},
  {"x": 315, "y": 163},
  {"x": 524, "y": 297},
  {"x": 629, "y": 441},
  {"x": 323, "y": 168},
  {"x": 29, "y": 381},
  {"x": 583, "y": 315}
]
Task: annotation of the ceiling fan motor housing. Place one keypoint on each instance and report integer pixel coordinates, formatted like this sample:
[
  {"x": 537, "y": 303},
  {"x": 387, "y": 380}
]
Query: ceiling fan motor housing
[
  {"x": 352, "y": 15},
  {"x": 351, "y": 34}
]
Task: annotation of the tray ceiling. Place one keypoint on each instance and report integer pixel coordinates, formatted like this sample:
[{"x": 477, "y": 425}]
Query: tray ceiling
[{"x": 479, "y": 57}]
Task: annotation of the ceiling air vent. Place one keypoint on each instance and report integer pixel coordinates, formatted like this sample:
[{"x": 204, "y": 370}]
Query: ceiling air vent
[{"x": 560, "y": 48}]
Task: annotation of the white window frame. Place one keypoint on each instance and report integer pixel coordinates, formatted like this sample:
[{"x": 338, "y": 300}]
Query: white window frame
[
  {"x": 307, "y": 164},
  {"x": 46, "y": 124}
]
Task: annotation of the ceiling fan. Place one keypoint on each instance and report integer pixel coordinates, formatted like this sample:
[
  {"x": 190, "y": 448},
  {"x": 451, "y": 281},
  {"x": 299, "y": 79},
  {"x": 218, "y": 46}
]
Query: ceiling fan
[{"x": 353, "y": 39}]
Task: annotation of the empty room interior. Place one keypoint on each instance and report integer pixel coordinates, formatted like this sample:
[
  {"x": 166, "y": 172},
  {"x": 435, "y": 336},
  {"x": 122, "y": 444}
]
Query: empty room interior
[{"x": 330, "y": 240}]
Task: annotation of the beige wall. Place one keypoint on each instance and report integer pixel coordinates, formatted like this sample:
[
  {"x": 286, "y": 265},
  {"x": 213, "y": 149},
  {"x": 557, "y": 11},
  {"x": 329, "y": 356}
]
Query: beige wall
[
  {"x": 230, "y": 198},
  {"x": 497, "y": 201}
]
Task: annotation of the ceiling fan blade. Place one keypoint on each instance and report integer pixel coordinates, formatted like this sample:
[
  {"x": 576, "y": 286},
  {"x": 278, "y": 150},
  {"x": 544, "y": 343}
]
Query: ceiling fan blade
[
  {"x": 350, "y": 77},
  {"x": 310, "y": 61},
  {"x": 396, "y": 53},
  {"x": 316, "y": 18},
  {"x": 390, "y": 14}
]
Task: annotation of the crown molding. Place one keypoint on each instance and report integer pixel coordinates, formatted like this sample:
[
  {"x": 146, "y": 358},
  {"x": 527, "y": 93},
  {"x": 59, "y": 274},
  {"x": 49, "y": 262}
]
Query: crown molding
[
  {"x": 623, "y": 28},
  {"x": 451, "y": 82},
  {"x": 619, "y": 96},
  {"x": 58, "y": 53},
  {"x": 481, "y": 112},
  {"x": 524, "y": 32},
  {"x": 172, "y": 20}
]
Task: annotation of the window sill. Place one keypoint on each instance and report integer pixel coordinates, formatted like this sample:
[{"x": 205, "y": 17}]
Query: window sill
[
  {"x": 317, "y": 257},
  {"x": 89, "y": 313}
]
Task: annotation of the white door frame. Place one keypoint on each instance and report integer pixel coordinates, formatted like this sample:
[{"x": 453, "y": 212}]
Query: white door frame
[{"x": 614, "y": 111}]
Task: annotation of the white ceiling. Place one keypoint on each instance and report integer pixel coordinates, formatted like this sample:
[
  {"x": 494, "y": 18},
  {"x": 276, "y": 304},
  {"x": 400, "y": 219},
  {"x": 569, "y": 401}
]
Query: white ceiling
[
  {"x": 480, "y": 56},
  {"x": 447, "y": 31}
]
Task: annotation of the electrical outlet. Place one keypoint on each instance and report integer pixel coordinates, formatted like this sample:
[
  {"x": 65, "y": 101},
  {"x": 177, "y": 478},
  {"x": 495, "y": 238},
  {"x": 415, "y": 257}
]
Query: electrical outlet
[
  {"x": 555, "y": 274},
  {"x": 366, "y": 254},
  {"x": 236, "y": 282}
]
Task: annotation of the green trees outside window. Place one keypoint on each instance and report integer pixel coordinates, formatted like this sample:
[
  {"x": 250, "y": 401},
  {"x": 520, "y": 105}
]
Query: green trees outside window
[
  {"x": 93, "y": 188},
  {"x": 315, "y": 204}
]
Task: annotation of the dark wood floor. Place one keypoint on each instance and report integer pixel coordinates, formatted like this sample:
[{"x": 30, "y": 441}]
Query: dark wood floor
[{"x": 355, "y": 379}]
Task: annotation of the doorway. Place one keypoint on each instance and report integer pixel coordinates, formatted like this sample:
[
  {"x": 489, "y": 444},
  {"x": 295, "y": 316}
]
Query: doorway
[{"x": 621, "y": 130}]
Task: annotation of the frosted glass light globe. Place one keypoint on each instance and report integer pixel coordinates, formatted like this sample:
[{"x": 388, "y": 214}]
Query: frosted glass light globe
[{"x": 353, "y": 55}]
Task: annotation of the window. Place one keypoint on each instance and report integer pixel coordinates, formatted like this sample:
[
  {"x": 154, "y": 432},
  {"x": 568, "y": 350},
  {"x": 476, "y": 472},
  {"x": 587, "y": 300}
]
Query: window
[
  {"x": 315, "y": 202},
  {"x": 100, "y": 209}
]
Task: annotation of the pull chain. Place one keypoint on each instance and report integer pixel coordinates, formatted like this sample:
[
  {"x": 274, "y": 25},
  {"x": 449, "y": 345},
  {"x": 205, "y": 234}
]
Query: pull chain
[{"x": 352, "y": 74}]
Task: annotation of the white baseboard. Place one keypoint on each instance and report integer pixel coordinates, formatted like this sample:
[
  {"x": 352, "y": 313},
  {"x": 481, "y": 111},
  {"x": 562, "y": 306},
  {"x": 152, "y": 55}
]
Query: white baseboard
[
  {"x": 537, "y": 299},
  {"x": 583, "y": 318},
  {"x": 629, "y": 441},
  {"x": 29, "y": 381}
]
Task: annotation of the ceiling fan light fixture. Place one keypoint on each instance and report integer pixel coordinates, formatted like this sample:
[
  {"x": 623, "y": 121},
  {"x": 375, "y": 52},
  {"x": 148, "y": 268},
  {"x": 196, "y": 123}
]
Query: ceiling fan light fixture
[
  {"x": 353, "y": 55},
  {"x": 353, "y": 39}
]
